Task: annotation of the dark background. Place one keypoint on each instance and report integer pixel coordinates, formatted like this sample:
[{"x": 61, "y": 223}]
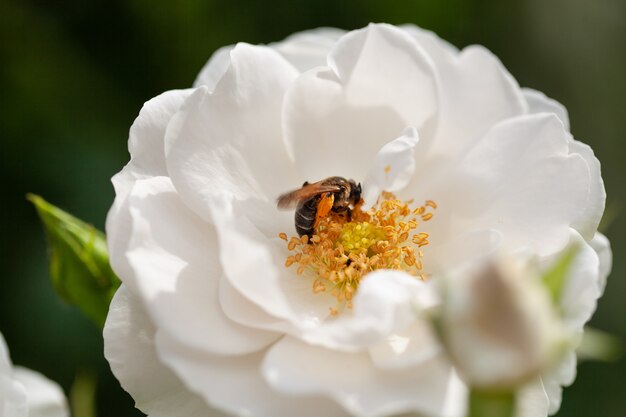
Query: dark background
[{"x": 74, "y": 74}]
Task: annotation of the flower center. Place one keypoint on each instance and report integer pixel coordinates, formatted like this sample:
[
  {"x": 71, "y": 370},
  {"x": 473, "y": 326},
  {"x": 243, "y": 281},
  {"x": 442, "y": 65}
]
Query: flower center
[{"x": 341, "y": 252}]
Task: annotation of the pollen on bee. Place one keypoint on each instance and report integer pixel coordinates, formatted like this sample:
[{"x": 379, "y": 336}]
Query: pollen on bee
[{"x": 340, "y": 252}]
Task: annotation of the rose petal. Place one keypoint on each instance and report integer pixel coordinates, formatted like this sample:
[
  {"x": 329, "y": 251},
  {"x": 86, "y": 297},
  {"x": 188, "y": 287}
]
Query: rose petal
[
  {"x": 393, "y": 167},
  {"x": 45, "y": 397},
  {"x": 438, "y": 49},
  {"x": 387, "y": 302},
  {"x": 580, "y": 292},
  {"x": 538, "y": 102},
  {"x": 215, "y": 68},
  {"x": 147, "y": 150},
  {"x": 6, "y": 365},
  {"x": 521, "y": 180},
  {"x": 562, "y": 375},
  {"x": 456, "y": 251},
  {"x": 406, "y": 348},
  {"x": 532, "y": 400},
  {"x": 477, "y": 93},
  {"x": 13, "y": 395},
  {"x": 378, "y": 83},
  {"x": 589, "y": 220},
  {"x": 296, "y": 368},
  {"x": 234, "y": 384},
  {"x": 602, "y": 246},
  {"x": 243, "y": 311},
  {"x": 176, "y": 271},
  {"x": 260, "y": 275},
  {"x": 230, "y": 141},
  {"x": 129, "y": 349},
  {"x": 308, "y": 49}
]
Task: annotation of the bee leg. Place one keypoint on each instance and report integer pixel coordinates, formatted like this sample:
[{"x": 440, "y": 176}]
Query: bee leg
[{"x": 349, "y": 214}]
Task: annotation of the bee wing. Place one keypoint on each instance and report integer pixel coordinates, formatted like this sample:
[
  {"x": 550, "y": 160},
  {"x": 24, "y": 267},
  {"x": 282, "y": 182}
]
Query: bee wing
[{"x": 292, "y": 198}]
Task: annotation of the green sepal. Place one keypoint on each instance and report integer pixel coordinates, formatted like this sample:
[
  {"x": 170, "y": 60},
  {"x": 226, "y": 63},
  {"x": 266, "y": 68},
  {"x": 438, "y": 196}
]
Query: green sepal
[
  {"x": 79, "y": 261},
  {"x": 491, "y": 403},
  {"x": 554, "y": 277},
  {"x": 600, "y": 346}
]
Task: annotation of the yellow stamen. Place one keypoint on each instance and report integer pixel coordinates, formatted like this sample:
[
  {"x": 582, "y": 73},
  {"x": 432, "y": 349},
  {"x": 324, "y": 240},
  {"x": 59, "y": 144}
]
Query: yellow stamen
[{"x": 340, "y": 253}]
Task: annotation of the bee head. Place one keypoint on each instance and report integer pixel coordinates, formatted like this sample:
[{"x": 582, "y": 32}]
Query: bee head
[{"x": 355, "y": 192}]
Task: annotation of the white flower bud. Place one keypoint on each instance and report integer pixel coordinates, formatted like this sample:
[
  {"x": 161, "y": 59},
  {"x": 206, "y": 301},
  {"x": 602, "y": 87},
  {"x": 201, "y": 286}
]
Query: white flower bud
[{"x": 499, "y": 324}]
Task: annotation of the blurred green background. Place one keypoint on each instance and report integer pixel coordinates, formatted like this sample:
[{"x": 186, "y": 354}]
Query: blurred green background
[{"x": 74, "y": 74}]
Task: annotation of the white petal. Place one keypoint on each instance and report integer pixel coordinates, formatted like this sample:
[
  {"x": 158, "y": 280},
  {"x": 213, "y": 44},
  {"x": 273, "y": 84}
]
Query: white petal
[
  {"x": 520, "y": 180},
  {"x": 336, "y": 119},
  {"x": 129, "y": 348},
  {"x": 235, "y": 385},
  {"x": 308, "y": 49},
  {"x": 146, "y": 140},
  {"x": 532, "y": 400},
  {"x": 587, "y": 223},
  {"x": 147, "y": 134},
  {"x": 563, "y": 374},
  {"x": 387, "y": 302},
  {"x": 13, "y": 396},
  {"x": 438, "y": 49},
  {"x": 147, "y": 150},
  {"x": 254, "y": 266},
  {"x": 457, "y": 251},
  {"x": 602, "y": 246},
  {"x": 538, "y": 102},
  {"x": 476, "y": 92},
  {"x": 230, "y": 141},
  {"x": 380, "y": 53},
  {"x": 296, "y": 368},
  {"x": 5, "y": 360},
  {"x": 174, "y": 266},
  {"x": 215, "y": 68},
  {"x": 243, "y": 311},
  {"x": 45, "y": 397},
  {"x": 582, "y": 287},
  {"x": 408, "y": 347},
  {"x": 393, "y": 167}
]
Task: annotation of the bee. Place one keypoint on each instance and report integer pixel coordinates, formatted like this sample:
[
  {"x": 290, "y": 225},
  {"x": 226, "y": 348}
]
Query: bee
[{"x": 315, "y": 200}]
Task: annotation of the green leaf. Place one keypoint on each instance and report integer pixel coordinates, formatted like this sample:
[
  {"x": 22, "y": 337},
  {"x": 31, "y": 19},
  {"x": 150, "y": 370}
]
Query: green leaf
[
  {"x": 554, "y": 278},
  {"x": 79, "y": 261},
  {"x": 600, "y": 346},
  {"x": 491, "y": 404}
]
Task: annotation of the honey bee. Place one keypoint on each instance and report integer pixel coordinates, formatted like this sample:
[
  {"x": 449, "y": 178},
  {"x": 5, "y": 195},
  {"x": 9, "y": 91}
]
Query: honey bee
[{"x": 315, "y": 200}]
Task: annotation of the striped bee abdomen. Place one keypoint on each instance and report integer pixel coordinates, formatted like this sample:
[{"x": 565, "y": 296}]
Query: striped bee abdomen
[{"x": 305, "y": 216}]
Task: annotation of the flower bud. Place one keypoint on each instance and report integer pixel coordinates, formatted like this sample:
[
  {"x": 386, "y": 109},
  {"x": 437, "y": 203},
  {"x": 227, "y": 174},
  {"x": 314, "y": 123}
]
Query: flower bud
[{"x": 499, "y": 324}]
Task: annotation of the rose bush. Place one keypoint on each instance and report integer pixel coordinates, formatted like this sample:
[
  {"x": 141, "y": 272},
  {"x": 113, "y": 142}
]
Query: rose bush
[
  {"x": 24, "y": 392},
  {"x": 209, "y": 319}
]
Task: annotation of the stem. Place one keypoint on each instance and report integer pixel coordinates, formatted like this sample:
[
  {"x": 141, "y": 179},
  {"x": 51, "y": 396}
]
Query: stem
[
  {"x": 491, "y": 404},
  {"x": 83, "y": 394}
]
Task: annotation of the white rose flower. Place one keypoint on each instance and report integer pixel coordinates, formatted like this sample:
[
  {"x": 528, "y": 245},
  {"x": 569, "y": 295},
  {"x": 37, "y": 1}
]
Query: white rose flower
[
  {"x": 217, "y": 311},
  {"x": 26, "y": 393}
]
